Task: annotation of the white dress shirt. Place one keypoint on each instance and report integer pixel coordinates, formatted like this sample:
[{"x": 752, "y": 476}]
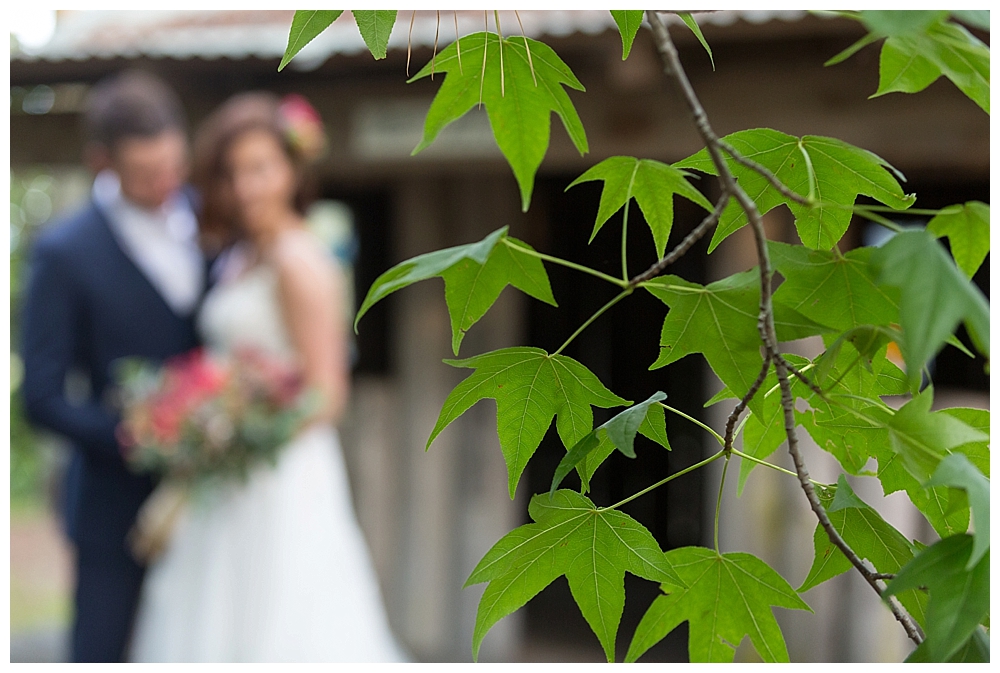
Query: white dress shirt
[{"x": 162, "y": 242}]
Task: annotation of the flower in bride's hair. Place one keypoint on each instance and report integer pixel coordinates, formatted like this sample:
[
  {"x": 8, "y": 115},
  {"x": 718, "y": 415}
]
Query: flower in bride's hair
[{"x": 303, "y": 127}]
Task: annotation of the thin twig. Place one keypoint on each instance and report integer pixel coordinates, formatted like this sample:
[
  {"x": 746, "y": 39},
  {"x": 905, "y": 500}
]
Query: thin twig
[
  {"x": 765, "y": 323},
  {"x": 496, "y": 19},
  {"x": 458, "y": 45},
  {"x": 531, "y": 66},
  {"x": 766, "y": 172},
  {"x": 884, "y": 576},
  {"x": 409, "y": 42},
  {"x": 486, "y": 48},
  {"x": 710, "y": 221},
  {"x": 437, "y": 31},
  {"x": 738, "y": 409}
]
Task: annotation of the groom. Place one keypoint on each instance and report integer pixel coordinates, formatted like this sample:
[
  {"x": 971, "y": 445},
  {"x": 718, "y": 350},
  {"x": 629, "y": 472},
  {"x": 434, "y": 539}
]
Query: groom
[{"x": 121, "y": 277}]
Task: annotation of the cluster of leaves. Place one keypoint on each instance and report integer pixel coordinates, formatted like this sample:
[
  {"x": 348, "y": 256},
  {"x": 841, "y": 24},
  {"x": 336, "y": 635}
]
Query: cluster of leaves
[{"x": 908, "y": 296}]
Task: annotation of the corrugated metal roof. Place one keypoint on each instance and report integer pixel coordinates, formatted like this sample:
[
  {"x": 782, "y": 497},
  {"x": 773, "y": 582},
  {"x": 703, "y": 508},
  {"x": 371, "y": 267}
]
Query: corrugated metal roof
[{"x": 184, "y": 34}]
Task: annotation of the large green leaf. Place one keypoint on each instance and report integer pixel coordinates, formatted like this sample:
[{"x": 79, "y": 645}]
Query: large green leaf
[
  {"x": 306, "y": 25},
  {"x": 620, "y": 432},
  {"x": 727, "y": 597},
  {"x": 652, "y": 184},
  {"x": 519, "y": 101},
  {"x": 913, "y": 59},
  {"x": 936, "y": 503},
  {"x": 976, "y": 650},
  {"x": 530, "y": 387},
  {"x": 968, "y": 230},
  {"x": 868, "y": 535},
  {"x": 570, "y": 536},
  {"x": 375, "y": 26},
  {"x": 628, "y": 21},
  {"x": 474, "y": 275},
  {"x": 978, "y": 453},
  {"x": 957, "y": 471},
  {"x": 833, "y": 289},
  {"x": 831, "y": 171},
  {"x": 719, "y": 320},
  {"x": 923, "y": 438},
  {"x": 470, "y": 288},
  {"x": 934, "y": 297},
  {"x": 959, "y": 596}
]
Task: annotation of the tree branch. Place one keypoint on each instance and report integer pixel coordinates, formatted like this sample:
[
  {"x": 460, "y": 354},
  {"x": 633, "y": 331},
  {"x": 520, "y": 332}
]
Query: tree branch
[
  {"x": 765, "y": 322},
  {"x": 735, "y": 414},
  {"x": 710, "y": 221}
]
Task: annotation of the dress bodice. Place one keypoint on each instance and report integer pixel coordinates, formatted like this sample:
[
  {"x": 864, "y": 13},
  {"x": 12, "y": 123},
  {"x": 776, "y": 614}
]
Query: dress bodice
[{"x": 245, "y": 311}]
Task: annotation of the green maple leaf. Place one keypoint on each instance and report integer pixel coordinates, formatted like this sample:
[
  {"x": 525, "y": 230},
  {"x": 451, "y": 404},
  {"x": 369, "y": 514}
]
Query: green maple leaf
[
  {"x": 306, "y": 25},
  {"x": 375, "y": 26},
  {"x": 689, "y": 21},
  {"x": 911, "y": 61},
  {"x": 530, "y": 387},
  {"x": 828, "y": 170},
  {"x": 617, "y": 433},
  {"x": 920, "y": 439},
  {"x": 921, "y": 46},
  {"x": 727, "y": 597},
  {"x": 628, "y": 22},
  {"x": 838, "y": 290},
  {"x": 923, "y": 438},
  {"x": 719, "y": 320},
  {"x": 957, "y": 471},
  {"x": 868, "y": 535},
  {"x": 651, "y": 183},
  {"x": 519, "y": 102},
  {"x": 959, "y": 595},
  {"x": 934, "y": 297},
  {"x": 968, "y": 230},
  {"x": 977, "y": 452},
  {"x": 570, "y": 536},
  {"x": 975, "y": 650},
  {"x": 474, "y": 275},
  {"x": 471, "y": 287}
]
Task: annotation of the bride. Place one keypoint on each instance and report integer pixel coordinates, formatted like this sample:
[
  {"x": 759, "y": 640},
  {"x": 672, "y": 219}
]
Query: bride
[{"x": 275, "y": 569}]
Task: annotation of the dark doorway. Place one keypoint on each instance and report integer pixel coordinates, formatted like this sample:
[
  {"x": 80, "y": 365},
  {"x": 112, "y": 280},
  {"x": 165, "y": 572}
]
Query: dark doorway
[{"x": 618, "y": 348}]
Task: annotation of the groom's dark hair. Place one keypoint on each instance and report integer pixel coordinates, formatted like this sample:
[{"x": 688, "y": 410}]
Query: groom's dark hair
[{"x": 129, "y": 104}]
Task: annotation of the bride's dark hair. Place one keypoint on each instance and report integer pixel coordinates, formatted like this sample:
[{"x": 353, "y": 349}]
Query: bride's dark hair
[{"x": 257, "y": 110}]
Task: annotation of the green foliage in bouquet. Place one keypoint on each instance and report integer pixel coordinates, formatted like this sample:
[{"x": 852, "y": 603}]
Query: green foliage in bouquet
[{"x": 198, "y": 417}]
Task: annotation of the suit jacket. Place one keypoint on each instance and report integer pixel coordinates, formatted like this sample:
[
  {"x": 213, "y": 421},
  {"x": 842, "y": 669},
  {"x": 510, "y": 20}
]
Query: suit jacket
[{"x": 87, "y": 305}]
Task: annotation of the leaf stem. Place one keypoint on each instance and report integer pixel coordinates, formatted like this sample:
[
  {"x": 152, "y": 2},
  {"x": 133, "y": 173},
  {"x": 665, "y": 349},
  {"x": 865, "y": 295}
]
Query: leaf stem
[
  {"x": 614, "y": 300},
  {"x": 694, "y": 420},
  {"x": 646, "y": 490},
  {"x": 718, "y": 502},
  {"x": 778, "y": 468},
  {"x": 570, "y": 265},
  {"x": 908, "y": 211},
  {"x": 628, "y": 202},
  {"x": 878, "y": 219}
]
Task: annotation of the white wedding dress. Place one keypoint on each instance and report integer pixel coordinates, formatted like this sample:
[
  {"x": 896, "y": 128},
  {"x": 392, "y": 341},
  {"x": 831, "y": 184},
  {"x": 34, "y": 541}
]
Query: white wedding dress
[{"x": 274, "y": 570}]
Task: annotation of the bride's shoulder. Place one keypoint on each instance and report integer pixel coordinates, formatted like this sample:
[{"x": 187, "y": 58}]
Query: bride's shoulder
[
  {"x": 300, "y": 259},
  {"x": 300, "y": 248}
]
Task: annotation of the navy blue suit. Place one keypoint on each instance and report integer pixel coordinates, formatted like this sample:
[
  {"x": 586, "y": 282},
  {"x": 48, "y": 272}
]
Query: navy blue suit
[{"x": 87, "y": 305}]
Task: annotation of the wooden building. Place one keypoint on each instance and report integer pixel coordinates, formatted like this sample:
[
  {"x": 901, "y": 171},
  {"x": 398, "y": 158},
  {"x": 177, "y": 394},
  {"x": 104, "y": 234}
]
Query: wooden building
[{"x": 429, "y": 516}]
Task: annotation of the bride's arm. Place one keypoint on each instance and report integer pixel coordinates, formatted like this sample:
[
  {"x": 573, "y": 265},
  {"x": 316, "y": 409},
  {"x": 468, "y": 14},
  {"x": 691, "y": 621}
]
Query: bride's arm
[{"x": 312, "y": 303}]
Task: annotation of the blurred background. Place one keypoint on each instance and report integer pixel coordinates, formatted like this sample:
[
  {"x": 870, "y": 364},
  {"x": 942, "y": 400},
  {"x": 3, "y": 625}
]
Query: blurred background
[{"x": 429, "y": 517}]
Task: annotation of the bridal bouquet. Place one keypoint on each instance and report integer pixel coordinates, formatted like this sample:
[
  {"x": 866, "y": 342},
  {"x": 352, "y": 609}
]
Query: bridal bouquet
[{"x": 200, "y": 418}]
